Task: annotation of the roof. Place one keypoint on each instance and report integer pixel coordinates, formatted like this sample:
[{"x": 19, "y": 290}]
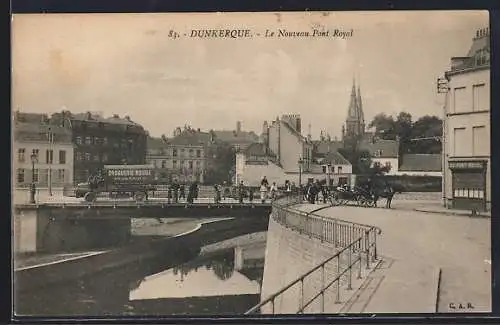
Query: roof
[
  {"x": 128, "y": 166},
  {"x": 335, "y": 158},
  {"x": 421, "y": 162},
  {"x": 256, "y": 149},
  {"x": 381, "y": 148},
  {"x": 321, "y": 148},
  {"x": 293, "y": 131},
  {"x": 155, "y": 143},
  {"x": 480, "y": 48},
  {"x": 39, "y": 132},
  {"x": 190, "y": 138},
  {"x": 236, "y": 137},
  {"x": 90, "y": 117}
]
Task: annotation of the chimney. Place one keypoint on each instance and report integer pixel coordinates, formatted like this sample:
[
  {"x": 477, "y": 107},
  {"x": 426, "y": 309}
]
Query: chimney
[
  {"x": 238, "y": 126},
  {"x": 298, "y": 124},
  {"x": 127, "y": 118},
  {"x": 116, "y": 116}
]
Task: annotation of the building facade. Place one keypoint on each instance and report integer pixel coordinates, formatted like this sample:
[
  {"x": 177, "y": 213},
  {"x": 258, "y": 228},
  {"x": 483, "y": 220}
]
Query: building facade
[
  {"x": 237, "y": 138},
  {"x": 286, "y": 142},
  {"x": 42, "y": 154},
  {"x": 182, "y": 158},
  {"x": 103, "y": 141},
  {"x": 467, "y": 167}
]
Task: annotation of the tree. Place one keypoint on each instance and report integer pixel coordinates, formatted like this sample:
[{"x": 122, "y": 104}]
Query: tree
[
  {"x": 221, "y": 158},
  {"x": 385, "y": 126},
  {"x": 430, "y": 127}
]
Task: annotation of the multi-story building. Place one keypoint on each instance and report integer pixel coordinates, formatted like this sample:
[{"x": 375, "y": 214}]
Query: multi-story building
[
  {"x": 238, "y": 139},
  {"x": 183, "y": 157},
  {"x": 102, "y": 141},
  {"x": 286, "y": 142},
  {"x": 42, "y": 153},
  {"x": 467, "y": 167}
]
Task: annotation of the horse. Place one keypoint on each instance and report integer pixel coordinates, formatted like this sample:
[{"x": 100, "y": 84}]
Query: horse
[{"x": 387, "y": 193}]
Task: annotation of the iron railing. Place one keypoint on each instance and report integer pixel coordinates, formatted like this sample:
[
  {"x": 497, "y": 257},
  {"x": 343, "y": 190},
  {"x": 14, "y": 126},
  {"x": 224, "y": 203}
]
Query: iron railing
[{"x": 357, "y": 244}]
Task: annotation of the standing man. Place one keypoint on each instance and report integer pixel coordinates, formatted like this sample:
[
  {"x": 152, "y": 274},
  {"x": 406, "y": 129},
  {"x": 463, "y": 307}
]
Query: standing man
[
  {"x": 182, "y": 191},
  {"x": 241, "y": 191}
]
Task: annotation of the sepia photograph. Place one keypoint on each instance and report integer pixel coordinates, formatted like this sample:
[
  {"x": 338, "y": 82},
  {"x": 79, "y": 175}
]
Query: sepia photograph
[{"x": 264, "y": 163}]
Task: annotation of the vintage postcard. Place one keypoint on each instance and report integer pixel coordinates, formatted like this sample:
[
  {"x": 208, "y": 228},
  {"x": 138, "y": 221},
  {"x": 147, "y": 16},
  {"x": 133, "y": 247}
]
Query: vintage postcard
[{"x": 251, "y": 163}]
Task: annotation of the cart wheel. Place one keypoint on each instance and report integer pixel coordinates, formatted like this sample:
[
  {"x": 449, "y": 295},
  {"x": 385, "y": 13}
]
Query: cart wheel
[
  {"x": 90, "y": 196},
  {"x": 139, "y": 196}
]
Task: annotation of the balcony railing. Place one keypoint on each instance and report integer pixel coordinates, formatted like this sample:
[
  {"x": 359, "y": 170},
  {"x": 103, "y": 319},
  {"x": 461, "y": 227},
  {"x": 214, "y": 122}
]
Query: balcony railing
[{"x": 358, "y": 250}]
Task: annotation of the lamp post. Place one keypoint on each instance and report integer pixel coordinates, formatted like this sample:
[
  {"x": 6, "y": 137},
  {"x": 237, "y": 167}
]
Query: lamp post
[
  {"x": 33, "y": 186},
  {"x": 300, "y": 162},
  {"x": 50, "y": 135},
  {"x": 328, "y": 169}
]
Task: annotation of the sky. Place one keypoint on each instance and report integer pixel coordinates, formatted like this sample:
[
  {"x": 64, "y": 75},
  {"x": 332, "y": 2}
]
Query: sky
[{"x": 127, "y": 64}]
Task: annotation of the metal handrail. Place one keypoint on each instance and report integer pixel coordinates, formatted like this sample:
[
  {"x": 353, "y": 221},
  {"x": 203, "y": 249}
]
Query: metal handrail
[{"x": 353, "y": 237}]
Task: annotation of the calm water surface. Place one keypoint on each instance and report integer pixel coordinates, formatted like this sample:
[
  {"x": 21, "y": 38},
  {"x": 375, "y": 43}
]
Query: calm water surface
[{"x": 224, "y": 280}]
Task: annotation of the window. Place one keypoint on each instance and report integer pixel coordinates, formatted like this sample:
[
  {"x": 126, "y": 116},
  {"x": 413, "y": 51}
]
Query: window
[
  {"x": 35, "y": 175},
  {"x": 480, "y": 143},
  {"x": 87, "y": 156},
  {"x": 182, "y": 152},
  {"x": 49, "y": 156},
  {"x": 78, "y": 140},
  {"x": 20, "y": 175},
  {"x": 190, "y": 164},
  {"x": 339, "y": 170},
  {"x": 174, "y": 163},
  {"x": 60, "y": 175},
  {"x": 460, "y": 101},
  {"x": 62, "y": 156},
  {"x": 324, "y": 169},
  {"x": 174, "y": 152},
  {"x": 44, "y": 176},
  {"x": 163, "y": 164},
  {"x": 88, "y": 140},
  {"x": 198, "y": 164},
  {"x": 480, "y": 98},
  {"x": 459, "y": 147},
  {"x": 105, "y": 141},
  {"x": 198, "y": 153},
  {"x": 21, "y": 155},
  {"x": 35, "y": 152},
  {"x": 191, "y": 153}
]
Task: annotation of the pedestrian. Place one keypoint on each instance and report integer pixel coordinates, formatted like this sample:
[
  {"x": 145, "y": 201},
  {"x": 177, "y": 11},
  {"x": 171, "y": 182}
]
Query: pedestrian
[
  {"x": 190, "y": 197},
  {"x": 226, "y": 191},
  {"x": 217, "y": 193},
  {"x": 196, "y": 190},
  {"x": 182, "y": 191},
  {"x": 288, "y": 188},
  {"x": 241, "y": 191},
  {"x": 324, "y": 192},
  {"x": 250, "y": 194},
  {"x": 169, "y": 194},
  {"x": 274, "y": 189},
  {"x": 263, "y": 193},
  {"x": 264, "y": 182},
  {"x": 175, "y": 188}
]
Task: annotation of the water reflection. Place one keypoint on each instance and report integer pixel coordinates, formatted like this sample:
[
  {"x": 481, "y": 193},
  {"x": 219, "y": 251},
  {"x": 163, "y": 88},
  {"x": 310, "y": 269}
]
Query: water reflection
[{"x": 216, "y": 282}]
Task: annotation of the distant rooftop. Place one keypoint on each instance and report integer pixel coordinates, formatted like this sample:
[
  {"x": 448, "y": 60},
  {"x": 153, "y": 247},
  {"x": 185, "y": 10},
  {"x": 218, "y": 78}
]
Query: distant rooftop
[
  {"x": 478, "y": 55},
  {"x": 380, "y": 148}
]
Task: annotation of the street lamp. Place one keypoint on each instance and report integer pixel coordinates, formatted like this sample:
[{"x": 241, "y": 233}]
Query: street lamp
[
  {"x": 300, "y": 162},
  {"x": 33, "y": 186},
  {"x": 328, "y": 169}
]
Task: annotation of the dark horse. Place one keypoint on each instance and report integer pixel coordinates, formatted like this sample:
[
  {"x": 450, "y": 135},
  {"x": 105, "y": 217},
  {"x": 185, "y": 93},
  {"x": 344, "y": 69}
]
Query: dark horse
[{"x": 386, "y": 192}]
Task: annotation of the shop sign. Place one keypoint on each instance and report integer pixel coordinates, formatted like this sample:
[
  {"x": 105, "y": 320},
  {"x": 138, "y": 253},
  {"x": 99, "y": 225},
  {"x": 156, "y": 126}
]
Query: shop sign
[{"x": 466, "y": 164}]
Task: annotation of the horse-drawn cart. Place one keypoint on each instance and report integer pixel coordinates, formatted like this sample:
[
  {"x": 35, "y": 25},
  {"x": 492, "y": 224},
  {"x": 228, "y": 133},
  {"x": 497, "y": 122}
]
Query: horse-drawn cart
[{"x": 358, "y": 196}]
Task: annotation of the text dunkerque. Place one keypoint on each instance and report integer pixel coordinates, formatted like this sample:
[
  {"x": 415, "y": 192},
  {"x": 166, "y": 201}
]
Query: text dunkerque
[{"x": 278, "y": 33}]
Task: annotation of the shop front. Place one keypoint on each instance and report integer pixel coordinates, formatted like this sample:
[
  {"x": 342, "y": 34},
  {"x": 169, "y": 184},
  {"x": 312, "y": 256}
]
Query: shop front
[{"x": 469, "y": 184}]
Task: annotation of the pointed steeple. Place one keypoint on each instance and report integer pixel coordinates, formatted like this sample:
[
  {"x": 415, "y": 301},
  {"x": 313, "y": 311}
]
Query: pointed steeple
[
  {"x": 360, "y": 106},
  {"x": 353, "y": 104}
]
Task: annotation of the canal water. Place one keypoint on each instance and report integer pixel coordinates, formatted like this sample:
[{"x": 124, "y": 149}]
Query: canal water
[{"x": 225, "y": 278}]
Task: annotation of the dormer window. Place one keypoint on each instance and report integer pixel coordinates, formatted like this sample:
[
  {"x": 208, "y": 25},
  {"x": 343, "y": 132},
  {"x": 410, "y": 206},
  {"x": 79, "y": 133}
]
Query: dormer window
[{"x": 482, "y": 57}]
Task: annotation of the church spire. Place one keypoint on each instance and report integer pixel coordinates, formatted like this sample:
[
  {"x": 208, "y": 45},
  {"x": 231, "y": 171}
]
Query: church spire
[
  {"x": 360, "y": 106},
  {"x": 353, "y": 104}
]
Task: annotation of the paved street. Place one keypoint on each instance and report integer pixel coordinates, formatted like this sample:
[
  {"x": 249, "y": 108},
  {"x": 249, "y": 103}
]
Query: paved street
[{"x": 418, "y": 245}]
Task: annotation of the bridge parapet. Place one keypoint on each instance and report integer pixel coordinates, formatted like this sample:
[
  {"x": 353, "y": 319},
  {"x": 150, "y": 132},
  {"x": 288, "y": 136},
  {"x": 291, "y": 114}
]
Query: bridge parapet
[{"x": 322, "y": 288}]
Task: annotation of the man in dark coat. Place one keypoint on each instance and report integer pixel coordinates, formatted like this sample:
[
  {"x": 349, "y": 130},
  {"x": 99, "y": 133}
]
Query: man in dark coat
[{"x": 241, "y": 191}]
